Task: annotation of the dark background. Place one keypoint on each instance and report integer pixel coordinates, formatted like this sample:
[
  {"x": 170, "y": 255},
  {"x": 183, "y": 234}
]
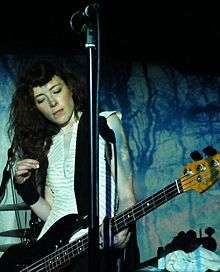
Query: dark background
[{"x": 183, "y": 34}]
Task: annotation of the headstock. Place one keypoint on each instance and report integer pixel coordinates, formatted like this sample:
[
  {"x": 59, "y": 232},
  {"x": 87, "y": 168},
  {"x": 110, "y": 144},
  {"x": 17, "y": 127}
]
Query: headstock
[{"x": 202, "y": 173}]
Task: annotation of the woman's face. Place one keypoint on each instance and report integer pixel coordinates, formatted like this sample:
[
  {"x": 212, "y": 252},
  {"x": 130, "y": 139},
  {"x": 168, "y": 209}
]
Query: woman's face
[{"x": 54, "y": 100}]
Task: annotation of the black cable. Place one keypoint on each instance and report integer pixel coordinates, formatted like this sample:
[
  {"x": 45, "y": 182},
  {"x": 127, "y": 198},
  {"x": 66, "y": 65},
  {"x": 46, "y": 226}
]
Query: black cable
[
  {"x": 15, "y": 202},
  {"x": 6, "y": 175}
]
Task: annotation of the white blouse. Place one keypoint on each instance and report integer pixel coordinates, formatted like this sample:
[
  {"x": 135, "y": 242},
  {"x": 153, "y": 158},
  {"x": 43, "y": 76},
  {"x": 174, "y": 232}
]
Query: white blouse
[{"x": 60, "y": 175}]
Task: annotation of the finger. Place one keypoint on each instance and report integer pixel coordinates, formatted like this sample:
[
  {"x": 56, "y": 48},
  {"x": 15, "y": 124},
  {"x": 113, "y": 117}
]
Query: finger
[
  {"x": 29, "y": 161},
  {"x": 27, "y": 164},
  {"x": 21, "y": 172},
  {"x": 121, "y": 239},
  {"x": 101, "y": 239},
  {"x": 24, "y": 167},
  {"x": 127, "y": 239},
  {"x": 22, "y": 176},
  {"x": 122, "y": 233},
  {"x": 123, "y": 243}
]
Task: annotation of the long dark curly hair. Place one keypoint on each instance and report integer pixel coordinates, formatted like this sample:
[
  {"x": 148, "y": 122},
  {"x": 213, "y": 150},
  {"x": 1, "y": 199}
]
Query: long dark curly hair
[{"x": 30, "y": 132}]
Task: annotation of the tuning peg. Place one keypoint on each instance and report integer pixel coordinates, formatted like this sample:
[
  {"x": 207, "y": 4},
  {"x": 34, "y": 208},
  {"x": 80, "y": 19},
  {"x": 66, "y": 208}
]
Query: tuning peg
[
  {"x": 196, "y": 156},
  {"x": 209, "y": 231},
  {"x": 210, "y": 151}
]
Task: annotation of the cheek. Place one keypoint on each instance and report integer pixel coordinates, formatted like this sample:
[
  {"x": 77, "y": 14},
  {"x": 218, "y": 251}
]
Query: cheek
[
  {"x": 43, "y": 109},
  {"x": 70, "y": 102},
  {"x": 39, "y": 108}
]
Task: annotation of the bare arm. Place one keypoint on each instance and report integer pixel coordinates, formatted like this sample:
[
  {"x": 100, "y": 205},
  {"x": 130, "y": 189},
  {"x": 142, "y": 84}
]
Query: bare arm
[
  {"x": 125, "y": 176},
  {"x": 43, "y": 206},
  {"x": 40, "y": 206}
]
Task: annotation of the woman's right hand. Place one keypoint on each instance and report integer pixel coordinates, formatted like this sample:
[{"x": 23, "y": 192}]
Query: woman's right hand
[{"x": 23, "y": 169}]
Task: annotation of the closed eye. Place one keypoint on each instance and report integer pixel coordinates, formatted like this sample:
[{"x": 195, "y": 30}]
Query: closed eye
[
  {"x": 41, "y": 100},
  {"x": 57, "y": 91}
]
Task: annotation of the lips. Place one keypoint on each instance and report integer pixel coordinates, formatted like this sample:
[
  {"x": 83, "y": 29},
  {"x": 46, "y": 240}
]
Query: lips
[{"x": 58, "y": 113}]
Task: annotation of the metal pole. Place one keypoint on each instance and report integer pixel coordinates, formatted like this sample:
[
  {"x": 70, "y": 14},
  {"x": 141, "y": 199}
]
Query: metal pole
[{"x": 94, "y": 152}]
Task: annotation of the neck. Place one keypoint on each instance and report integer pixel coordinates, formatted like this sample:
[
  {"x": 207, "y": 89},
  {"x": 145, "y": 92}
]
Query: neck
[{"x": 74, "y": 119}]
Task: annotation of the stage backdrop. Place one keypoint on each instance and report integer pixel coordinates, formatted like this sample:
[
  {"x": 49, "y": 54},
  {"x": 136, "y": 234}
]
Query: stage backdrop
[{"x": 167, "y": 114}]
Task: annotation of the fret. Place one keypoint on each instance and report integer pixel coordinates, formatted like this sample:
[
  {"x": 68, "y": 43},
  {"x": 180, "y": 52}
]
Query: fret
[
  {"x": 79, "y": 247},
  {"x": 176, "y": 181},
  {"x": 115, "y": 228},
  {"x": 66, "y": 256},
  {"x": 164, "y": 192},
  {"x": 72, "y": 248},
  {"x": 124, "y": 219},
  {"x": 57, "y": 261},
  {"x": 85, "y": 244},
  {"x": 130, "y": 216},
  {"x": 63, "y": 257},
  {"x": 48, "y": 264},
  {"x": 159, "y": 199},
  {"x": 133, "y": 215},
  {"x": 142, "y": 207},
  {"x": 53, "y": 259},
  {"x": 147, "y": 205},
  {"x": 152, "y": 202}
]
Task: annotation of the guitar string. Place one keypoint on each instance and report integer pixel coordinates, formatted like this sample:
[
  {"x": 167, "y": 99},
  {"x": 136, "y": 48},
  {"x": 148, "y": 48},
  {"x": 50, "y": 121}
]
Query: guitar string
[
  {"x": 72, "y": 247},
  {"x": 121, "y": 217},
  {"x": 125, "y": 218},
  {"x": 68, "y": 255},
  {"x": 117, "y": 219},
  {"x": 46, "y": 264},
  {"x": 137, "y": 206}
]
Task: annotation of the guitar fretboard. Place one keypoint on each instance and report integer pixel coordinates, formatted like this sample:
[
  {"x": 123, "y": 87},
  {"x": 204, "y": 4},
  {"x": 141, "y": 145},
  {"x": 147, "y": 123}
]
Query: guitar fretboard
[{"x": 127, "y": 217}]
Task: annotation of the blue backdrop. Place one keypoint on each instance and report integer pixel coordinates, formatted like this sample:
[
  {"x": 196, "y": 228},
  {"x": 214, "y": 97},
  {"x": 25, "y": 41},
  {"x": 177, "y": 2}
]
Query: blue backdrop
[{"x": 167, "y": 114}]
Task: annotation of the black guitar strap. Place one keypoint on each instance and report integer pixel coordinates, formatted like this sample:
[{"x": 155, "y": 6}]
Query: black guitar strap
[{"x": 82, "y": 168}]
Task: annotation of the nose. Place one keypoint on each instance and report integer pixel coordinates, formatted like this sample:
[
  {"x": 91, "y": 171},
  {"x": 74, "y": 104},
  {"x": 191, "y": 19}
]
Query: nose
[{"x": 52, "y": 101}]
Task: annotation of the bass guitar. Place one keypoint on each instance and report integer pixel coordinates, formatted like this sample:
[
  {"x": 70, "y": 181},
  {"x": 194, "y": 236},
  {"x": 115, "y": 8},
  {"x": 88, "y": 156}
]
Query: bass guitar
[{"x": 53, "y": 251}]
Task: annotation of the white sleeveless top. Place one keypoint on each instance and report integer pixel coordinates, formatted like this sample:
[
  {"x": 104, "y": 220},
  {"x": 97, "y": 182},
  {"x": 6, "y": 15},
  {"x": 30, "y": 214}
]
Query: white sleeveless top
[{"x": 60, "y": 176}]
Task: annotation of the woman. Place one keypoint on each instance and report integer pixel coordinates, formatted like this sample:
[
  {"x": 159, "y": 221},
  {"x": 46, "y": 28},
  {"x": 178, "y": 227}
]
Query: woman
[{"x": 47, "y": 107}]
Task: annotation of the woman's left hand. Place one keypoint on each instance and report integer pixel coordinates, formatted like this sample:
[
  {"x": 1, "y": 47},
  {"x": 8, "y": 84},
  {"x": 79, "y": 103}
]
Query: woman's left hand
[{"x": 121, "y": 239}]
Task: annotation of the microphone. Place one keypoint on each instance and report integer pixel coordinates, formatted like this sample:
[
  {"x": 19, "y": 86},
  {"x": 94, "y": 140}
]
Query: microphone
[
  {"x": 81, "y": 18},
  {"x": 90, "y": 11}
]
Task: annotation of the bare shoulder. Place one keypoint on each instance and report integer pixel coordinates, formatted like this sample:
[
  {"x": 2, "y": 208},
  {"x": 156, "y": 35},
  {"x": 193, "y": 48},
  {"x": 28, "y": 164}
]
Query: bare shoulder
[{"x": 114, "y": 121}]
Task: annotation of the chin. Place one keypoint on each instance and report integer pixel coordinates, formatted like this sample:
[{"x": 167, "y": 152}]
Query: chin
[{"x": 62, "y": 124}]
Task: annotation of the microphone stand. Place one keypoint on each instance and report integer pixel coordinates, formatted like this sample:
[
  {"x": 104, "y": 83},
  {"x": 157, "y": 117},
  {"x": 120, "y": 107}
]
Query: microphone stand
[
  {"x": 94, "y": 150},
  {"x": 88, "y": 17}
]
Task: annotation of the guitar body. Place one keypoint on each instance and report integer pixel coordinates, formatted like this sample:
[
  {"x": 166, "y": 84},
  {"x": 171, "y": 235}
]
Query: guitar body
[{"x": 18, "y": 257}]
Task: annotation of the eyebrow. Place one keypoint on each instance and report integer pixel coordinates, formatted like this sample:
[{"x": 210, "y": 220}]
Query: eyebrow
[{"x": 51, "y": 88}]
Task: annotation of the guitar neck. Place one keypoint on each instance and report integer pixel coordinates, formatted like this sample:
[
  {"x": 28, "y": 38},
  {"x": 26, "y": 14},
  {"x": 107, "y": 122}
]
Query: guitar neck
[{"x": 131, "y": 215}]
